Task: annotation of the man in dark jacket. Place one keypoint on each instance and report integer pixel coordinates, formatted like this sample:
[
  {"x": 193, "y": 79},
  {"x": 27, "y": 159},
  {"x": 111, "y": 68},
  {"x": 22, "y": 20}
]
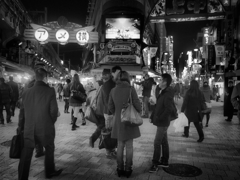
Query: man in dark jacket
[
  {"x": 229, "y": 107},
  {"x": 5, "y": 93},
  {"x": 161, "y": 119},
  {"x": 102, "y": 110},
  {"x": 15, "y": 94},
  {"x": 146, "y": 93},
  {"x": 41, "y": 112}
]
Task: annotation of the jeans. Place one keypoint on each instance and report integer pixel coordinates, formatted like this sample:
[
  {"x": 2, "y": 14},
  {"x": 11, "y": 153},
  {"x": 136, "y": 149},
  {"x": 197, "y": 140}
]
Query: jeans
[
  {"x": 26, "y": 157},
  {"x": 208, "y": 117},
  {"x": 161, "y": 140},
  {"x": 145, "y": 105},
  {"x": 7, "y": 108},
  {"x": 129, "y": 154}
]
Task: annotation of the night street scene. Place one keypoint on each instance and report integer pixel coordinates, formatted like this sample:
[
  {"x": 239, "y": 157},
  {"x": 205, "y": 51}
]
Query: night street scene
[{"x": 120, "y": 89}]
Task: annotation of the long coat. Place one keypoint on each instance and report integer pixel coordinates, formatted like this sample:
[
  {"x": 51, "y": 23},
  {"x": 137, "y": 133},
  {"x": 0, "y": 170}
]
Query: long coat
[
  {"x": 41, "y": 111},
  {"x": 119, "y": 96},
  {"x": 192, "y": 107}
]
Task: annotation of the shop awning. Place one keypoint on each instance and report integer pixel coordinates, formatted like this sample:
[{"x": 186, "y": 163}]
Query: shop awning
[{"x": 13, "y": 67}]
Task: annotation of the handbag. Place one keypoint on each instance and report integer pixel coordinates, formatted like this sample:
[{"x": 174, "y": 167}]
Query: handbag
[
  {"x": 16, "y": 146},
  {"x": 90, "y": 115},
  {"x": 106, "y": 141},
  {"x": 130, "y": 116},
  {"x": 78, "y": 95}
]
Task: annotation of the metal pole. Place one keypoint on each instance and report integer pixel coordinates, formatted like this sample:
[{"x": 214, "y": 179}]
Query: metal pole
[{"x": 45, "y": 13}]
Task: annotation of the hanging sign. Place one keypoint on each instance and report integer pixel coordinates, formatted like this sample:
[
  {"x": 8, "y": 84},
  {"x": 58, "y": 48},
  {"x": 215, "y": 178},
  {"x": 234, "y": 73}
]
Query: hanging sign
[
  {"x": 62, "y": 36},
  {"x": 41, "y": 35}
]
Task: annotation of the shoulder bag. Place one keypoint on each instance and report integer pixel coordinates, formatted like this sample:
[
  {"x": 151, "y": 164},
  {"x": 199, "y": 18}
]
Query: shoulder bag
[
  {"x": 16, "y": 146},
  {"x": 78, "y": 95},
  {"x": 129, "y": 115}
]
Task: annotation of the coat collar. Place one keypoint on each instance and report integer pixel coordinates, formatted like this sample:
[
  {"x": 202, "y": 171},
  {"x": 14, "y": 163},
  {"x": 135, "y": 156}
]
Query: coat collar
[{"x": 40, "y": 83}]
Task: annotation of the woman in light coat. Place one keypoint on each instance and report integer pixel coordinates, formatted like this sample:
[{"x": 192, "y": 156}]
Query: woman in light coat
[{"x": 125, "y": 134}]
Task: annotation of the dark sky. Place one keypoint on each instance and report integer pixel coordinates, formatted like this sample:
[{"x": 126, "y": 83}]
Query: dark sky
[
  {"x": 183, "y": 34},
  {"x": 74, "y": 10}
]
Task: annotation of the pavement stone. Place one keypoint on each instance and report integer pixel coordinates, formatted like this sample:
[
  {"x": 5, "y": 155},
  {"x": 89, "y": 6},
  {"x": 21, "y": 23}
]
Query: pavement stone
[{"x": 218, "y": 156}]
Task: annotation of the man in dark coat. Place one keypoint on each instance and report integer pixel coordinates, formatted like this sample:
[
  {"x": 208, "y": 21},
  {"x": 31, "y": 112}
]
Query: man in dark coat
[
  {"x": 5, "y": 93},
  {"x": 161, "y": 118},
  {"x": 229, "y": 106},
  {"x": 41, "y": 112},
  {"x": 102, "y": 111},
  {"x": 146, "y": 93},
  {"x": 15, "y": 94}
]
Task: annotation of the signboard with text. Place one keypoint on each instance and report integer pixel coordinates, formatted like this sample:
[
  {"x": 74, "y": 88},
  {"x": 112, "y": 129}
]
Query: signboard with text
[{"x": 186, "y": 10}]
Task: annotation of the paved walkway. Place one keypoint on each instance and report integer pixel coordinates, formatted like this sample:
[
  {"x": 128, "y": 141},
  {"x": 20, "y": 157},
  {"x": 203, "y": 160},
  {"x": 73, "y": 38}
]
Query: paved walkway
[{"x": 218, "y": 156}]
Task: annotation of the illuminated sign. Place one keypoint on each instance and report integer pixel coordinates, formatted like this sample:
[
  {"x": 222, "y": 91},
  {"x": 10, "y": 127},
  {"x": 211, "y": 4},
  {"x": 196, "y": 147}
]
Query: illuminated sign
[
  {"x": 186, "y": 10},
  {"x": 62, "y": 36},
  {"x": 82, "y": 37},
  {"x": 41, "y": 35}
]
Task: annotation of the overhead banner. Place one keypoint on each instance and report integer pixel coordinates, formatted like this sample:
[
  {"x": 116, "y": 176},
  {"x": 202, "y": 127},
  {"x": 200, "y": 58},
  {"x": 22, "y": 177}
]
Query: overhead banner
[{"x": 186, "y": 10}]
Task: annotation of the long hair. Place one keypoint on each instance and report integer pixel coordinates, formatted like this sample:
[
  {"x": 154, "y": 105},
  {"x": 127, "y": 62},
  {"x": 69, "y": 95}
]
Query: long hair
[
  {"x": 75, "y": 82},
  {"x": 193, "y": 89}
]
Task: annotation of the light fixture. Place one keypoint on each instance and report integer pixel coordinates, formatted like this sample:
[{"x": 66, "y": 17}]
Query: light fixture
[
  {"x": 20, "y": 43},
  {"x": 41, "y": 59},
  {"x": 195, "y": 49}
]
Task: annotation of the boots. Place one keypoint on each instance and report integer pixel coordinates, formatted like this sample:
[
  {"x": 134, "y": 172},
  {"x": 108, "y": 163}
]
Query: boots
[
  {"x": 74, "y": 126},
  {"x": 186, "y": 131}
]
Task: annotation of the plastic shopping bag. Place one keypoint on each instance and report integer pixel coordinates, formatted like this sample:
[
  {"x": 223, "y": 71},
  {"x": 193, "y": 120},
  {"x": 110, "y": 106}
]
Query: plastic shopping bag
[{"x": 180, "y": 122}]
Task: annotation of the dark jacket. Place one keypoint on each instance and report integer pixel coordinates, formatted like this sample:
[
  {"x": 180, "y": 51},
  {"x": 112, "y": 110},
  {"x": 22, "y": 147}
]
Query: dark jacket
[
  {"x": 207, "y": 93},
  {"x": 192, "y": 106},
  {"x": 74, "y": 102},
  {"x": 118, "y": 97},
  {"x": 66, "y": 90},
  {"x": 105, "y": 91},
  {"x": 41, "y": 111},
  {"x": 147, "y": 87},
  {"x": 15, "y": 92},
  {"x": 6, "y": 93},
  {"x": 163, "y": 108}
]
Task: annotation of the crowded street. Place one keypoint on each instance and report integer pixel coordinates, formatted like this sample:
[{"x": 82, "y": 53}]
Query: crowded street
[{"x": 218, "y": 156}]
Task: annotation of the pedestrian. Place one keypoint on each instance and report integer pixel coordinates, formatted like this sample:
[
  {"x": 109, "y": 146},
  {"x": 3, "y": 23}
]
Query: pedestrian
[
  {"x": 123, "y": 133},
  {"x": 15, "y": 94},
  {"x": 176, "y": 91},
  {"x": 59, "y": 91},
  {"x": 103, "y": 115},
  {"x": 192, "y": 108},
  {"x": 146, "y": 93},
  {"x": 217, "y": 93},
  {"x": 66, "y": 95},
  {"x": 205, "y": 89},
  {"x": 39, "y": 126},
  {"x": 229, "y": 107},
  {"x": 21, "y": 119},
  {"x": 235, "y": 99},
  {"x": 76, "y": 104},
  {"x": 115, "y": 71},
  {"x": 161, "y": 118},
  {"x": 6, "y": 93}
]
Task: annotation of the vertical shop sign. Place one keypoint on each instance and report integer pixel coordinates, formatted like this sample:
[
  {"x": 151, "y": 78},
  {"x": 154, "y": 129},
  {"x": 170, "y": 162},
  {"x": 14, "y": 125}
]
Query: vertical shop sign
[
  {"x": 229, "y": 32},
  {"x": 211, "y": 58}
]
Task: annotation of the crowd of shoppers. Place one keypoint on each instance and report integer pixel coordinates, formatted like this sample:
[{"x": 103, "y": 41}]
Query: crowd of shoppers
[{"x": 107, "y": 104}]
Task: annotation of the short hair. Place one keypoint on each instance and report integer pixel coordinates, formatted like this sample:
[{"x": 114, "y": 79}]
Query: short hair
[
  {"x": 123, "y": 76},
  {"x": 40, "y": 74},
  {"x": 10, "y": 78},
  {"x": 168, "y": 78},
  {"x": 115, "y": 68},
  {"x": 68, "y": 81}
]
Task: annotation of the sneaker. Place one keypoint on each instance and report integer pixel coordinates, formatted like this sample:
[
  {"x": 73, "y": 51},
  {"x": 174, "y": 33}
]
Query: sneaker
[
  {"x": 111, "y": 155},
  {"x": 153, "y": 168},
  {"x": 165, "y": 165}
]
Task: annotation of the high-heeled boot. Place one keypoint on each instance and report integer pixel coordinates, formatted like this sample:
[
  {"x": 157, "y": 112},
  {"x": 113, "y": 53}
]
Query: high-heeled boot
[
  {"x": 128, "y": 173},
  {"x": 74, "y": 126},
  {"x": 186, "y": 131},
  {"x": 120, "y": 172}
]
